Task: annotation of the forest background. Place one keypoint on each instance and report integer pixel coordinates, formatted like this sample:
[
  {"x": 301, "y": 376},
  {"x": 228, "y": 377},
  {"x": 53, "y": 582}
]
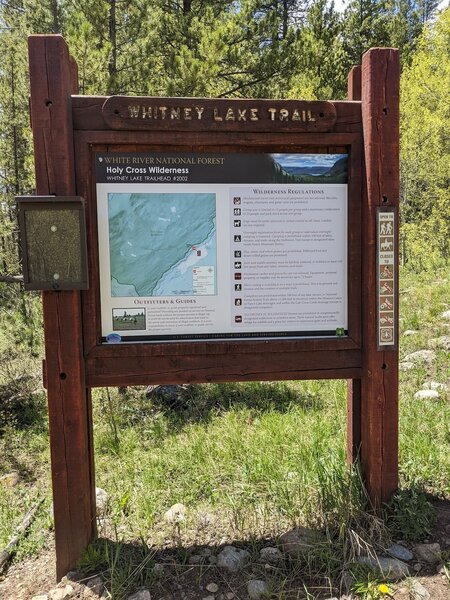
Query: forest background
[
  {"x": 249, "y": 48},
  {"x": 227, "y": 48}
]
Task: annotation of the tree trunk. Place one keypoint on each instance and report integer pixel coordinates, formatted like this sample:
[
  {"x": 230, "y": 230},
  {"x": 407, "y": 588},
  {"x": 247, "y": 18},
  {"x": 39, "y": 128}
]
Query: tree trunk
[
  {"x": 54, "y": 9},
  {"x": 285, "y": 18},
  {"x": 112, "y": 65}
]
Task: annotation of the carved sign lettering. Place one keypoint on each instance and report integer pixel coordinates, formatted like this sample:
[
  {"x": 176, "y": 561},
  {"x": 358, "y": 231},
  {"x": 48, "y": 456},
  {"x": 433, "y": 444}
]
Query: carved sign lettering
[{"x": 177, "y": 114}]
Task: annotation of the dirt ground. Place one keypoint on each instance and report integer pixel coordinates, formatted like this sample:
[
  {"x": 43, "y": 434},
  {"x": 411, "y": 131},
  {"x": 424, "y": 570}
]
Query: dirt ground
[{"x": 36, "y": 576}]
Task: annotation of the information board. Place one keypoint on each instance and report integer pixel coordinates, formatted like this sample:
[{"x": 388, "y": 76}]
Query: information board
[
  {"x": 201, "y": 246},
  {"x": 212, "y": 259}
]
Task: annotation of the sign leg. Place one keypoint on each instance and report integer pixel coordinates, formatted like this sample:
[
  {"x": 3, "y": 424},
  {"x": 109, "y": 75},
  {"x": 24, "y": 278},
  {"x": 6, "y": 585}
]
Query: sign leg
[
  {"x": 379, "y": 384},
  {"x": 353, "y": 420},
  {"x": 70, "y": 423}
]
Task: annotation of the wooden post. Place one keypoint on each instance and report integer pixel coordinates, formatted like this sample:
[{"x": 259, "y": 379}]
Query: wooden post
[
  {"x": 354, "y": 83},
  {"x": 379, "y": 383},
  {"x": 354, "y": 385},
  {"x": 51, "y": 79}
]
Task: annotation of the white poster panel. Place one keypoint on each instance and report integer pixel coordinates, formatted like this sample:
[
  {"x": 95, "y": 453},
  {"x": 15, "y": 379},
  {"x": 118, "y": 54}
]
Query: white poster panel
[{"x": 222, "y": 246}]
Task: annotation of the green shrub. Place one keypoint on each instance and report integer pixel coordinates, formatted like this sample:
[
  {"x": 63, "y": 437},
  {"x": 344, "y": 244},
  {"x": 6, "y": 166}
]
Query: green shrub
[{"x": 411, "y": 516}]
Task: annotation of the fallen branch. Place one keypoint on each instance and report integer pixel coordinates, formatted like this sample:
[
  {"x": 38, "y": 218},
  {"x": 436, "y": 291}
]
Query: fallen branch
[
  {"x": 7, "y": 553},
  {"x": 11, "y": 279}
]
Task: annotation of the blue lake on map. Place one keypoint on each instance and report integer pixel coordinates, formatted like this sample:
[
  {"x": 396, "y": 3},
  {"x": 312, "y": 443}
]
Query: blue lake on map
[{"x": 157, "y": 239}]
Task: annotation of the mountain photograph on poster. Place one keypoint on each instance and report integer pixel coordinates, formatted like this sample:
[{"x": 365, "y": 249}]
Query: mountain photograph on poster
[{"x": 311, "y": 168}]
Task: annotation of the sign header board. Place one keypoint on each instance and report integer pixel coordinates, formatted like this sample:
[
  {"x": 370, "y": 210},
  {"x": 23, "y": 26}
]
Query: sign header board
[
  {"x": 217, "y": 246},
  {"x": 123, "y": 112}
]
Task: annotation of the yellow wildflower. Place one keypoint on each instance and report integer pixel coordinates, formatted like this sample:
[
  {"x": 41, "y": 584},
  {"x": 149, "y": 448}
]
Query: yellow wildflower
[{"x": 383, "y": 588}]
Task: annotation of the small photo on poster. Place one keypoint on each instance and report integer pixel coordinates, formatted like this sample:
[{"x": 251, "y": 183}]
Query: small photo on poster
[{"x": 128, "y": 319}]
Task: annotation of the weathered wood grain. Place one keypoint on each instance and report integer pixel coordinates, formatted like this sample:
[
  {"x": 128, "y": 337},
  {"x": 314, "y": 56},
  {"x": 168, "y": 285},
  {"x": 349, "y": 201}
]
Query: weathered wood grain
[
  {"x": 88, "y": 116},
  {"x": 51, "y": 79},
  {"x": 215, "y": 114},
  {"x": 354, "y": 385},
  {"x": 379, "y": 385},
  {"x": 249, "y": 346},
  {"x": 145, "y": 370},
  {"x": 354, "y": 83},
  {"x": 221, "y": 141}
]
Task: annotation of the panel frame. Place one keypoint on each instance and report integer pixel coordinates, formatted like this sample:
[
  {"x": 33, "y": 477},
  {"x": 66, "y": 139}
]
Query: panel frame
[{"x": 191, "y": 354}]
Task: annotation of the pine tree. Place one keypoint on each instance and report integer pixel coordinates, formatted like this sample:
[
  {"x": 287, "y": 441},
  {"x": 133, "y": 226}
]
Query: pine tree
[
  {"x": 365, "y": 26},
  {"x": 15, "y": 139},
  {"x": 320, "y": 68},
  {"x": 404, "y": 27}
]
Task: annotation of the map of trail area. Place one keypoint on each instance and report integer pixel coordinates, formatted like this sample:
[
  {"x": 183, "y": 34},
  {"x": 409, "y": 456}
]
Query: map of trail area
[{"x": 162, "y": 244}]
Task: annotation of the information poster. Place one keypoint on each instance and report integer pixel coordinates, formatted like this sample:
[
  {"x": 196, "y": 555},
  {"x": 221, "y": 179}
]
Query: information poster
[{"x": 217, "y": 246}]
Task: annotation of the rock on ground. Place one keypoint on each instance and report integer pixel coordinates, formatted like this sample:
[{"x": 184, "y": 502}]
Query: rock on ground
[
  {"x": 391, "y": 568},
  {"x": 300, "y": 540},
  {"x": 175, "y": 514},
  {"x": 61, "y": 593},
  {"x": 10, "y": 479},
  {"x": 271, "y": 555},
  {"x": 428, "y": 553},
  {"x": 166, "y": 393},
  {"x": 212, "y": 587},
  {"x": 418, "y": 592},
  {"x": 442, "y": 342},
  {"x": 426, "y": 395},
  {"x": 400, "y": 552},
  {"x": 205, "y": 520},
  {"x": 434, "y": 385},
  {"x": 141, "y": 595},
  {"x": 406, "y": 366},
  {"x": 232, "y": 559},
  {"x": 96, "y": 585},
  {"x": 101, "y": 501},
  {"x": 420, "y": 356},
  {"x": 446, "y": 315},
  {"x": 256, "y": 589}
]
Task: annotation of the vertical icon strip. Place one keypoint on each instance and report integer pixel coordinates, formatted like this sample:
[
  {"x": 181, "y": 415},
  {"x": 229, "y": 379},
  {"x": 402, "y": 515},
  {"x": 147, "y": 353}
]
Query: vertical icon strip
[
  {"x": 386, "y": 277},
  {"x": 236, "y": 258}
]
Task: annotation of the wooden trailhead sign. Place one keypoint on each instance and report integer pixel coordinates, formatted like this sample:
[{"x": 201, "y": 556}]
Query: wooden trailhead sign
[{"x": 227, "y": 240}]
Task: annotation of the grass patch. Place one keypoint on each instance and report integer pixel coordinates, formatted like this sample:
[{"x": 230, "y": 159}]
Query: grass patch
[
  {"x": 23, "y": 422},
  {"x": 233, "y": 448},
  {"x": 424, "y": 423},
  {"x": 25, "y": 452}
]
